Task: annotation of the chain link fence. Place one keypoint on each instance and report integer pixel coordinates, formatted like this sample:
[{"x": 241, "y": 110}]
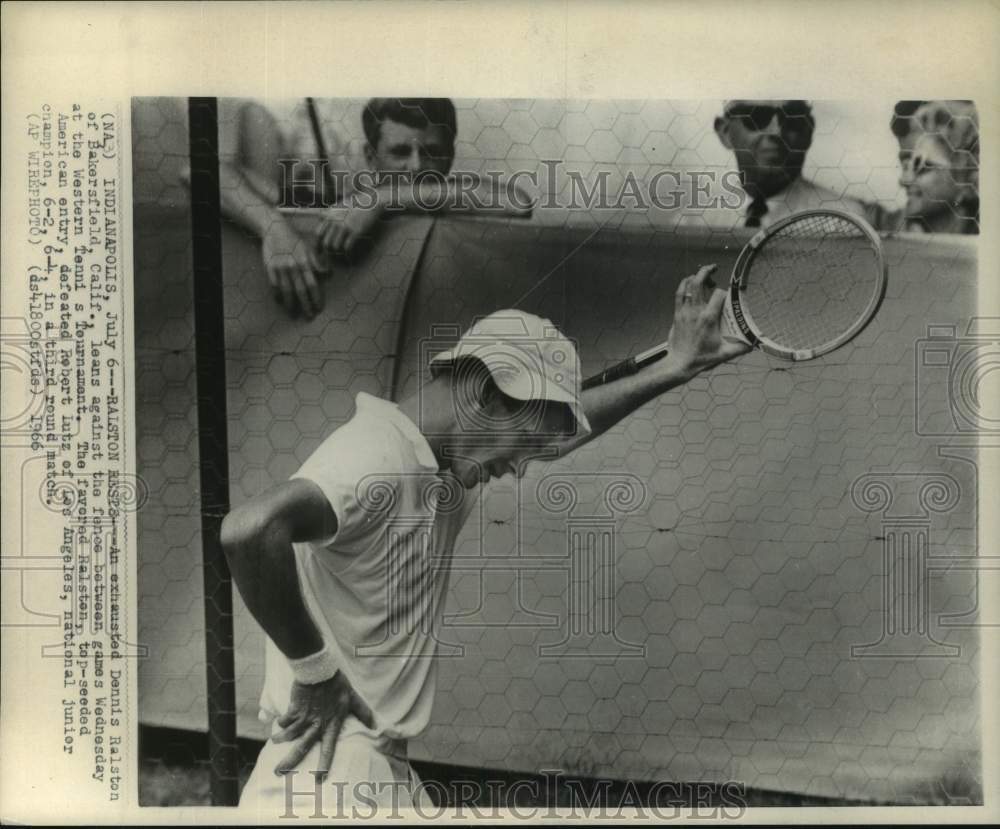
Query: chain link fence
[{"x": 707, "y": 631}]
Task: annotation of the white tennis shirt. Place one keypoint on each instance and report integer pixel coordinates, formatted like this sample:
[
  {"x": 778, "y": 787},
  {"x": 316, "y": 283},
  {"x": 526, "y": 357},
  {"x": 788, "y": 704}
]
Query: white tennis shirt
[{"x": 376, "y": 588}]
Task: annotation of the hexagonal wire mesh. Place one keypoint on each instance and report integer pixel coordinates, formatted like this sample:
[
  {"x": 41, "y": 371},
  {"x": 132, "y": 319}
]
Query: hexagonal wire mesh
[{"x": 741, "y": 582}]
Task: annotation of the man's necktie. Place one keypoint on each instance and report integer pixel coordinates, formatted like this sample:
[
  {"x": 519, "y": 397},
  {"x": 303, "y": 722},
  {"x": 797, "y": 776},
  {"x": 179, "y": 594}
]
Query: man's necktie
[{"x": 755, "y": 212}]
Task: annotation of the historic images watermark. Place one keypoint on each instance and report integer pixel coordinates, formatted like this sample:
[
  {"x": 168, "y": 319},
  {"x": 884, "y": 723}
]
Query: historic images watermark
[
  {"x": 591, "y": 505},
  {"x": 966, "y": 368},
  {"x": 552, "y": 794},
  {"x": 498, "y": 190},
  {"x": 955, "y": 378}
]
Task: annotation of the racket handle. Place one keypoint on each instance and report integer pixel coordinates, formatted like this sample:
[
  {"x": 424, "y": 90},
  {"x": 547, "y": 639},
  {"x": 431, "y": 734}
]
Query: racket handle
[
  {"x": 626, "y": 367},
  {"x": 616, "y": 372}
]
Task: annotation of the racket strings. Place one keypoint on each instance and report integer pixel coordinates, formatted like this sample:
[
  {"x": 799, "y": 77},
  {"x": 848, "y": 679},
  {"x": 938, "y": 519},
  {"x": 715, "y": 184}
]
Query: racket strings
[{"x": 810, "y": 284}]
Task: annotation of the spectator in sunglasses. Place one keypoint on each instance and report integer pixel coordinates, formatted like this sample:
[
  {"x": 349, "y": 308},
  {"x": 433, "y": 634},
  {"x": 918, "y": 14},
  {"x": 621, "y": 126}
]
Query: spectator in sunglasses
[
  {"x": 941, "y": 172},
  {"x": 939, "y": 168},
  {"x": 770, "y": 140}
]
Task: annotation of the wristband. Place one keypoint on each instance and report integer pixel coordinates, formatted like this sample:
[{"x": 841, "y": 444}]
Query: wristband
[{"x": 315, "y": 668}]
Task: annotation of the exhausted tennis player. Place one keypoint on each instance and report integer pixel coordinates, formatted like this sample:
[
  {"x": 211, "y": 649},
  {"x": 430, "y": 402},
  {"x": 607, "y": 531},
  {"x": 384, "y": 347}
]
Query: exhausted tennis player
[{"x": 341, "y": 565}]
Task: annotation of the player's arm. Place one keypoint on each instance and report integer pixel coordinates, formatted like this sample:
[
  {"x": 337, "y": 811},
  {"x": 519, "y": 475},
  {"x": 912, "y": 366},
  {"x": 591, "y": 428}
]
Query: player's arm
[
  {"x": 257, "y": 538},
  {"x": 248, "y": 186},
  {"x": 344, "y": 226},
  {"x": 695, "y": 345},
  {"x": 249, "y": 195}
]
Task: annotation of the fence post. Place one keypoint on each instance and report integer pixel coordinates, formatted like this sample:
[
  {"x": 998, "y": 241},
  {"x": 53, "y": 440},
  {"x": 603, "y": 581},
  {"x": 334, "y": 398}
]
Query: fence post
[{"x": 213, "y": 446}]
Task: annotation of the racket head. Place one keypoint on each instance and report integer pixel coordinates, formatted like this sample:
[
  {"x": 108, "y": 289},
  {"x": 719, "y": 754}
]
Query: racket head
[{"x": 807, "y": 284}]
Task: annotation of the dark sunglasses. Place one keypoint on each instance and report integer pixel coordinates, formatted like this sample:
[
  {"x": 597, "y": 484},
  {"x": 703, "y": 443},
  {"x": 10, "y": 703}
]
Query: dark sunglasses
[{"x": 757, "y": 117}]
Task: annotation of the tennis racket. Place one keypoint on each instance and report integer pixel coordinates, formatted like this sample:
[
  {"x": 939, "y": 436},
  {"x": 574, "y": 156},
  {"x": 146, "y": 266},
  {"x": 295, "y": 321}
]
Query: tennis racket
[{"x": 799, "y": 289}]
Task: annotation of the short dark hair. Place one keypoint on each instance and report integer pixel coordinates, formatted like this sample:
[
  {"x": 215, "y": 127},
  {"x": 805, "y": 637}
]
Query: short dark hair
[
  {"x": 418, "y": 113},
  {"x": 901, "y": 122}
]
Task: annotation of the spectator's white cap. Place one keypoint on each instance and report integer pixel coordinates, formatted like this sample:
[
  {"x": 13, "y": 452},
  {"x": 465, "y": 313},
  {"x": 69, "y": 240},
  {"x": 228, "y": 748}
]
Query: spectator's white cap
[{"x": 527, "y": 357}]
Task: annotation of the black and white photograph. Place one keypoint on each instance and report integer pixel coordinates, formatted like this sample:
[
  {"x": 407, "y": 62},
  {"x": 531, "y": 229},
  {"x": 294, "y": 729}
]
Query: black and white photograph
[
  {"x": 430, "y": 412},
  {"x": 567, "y": 452}
]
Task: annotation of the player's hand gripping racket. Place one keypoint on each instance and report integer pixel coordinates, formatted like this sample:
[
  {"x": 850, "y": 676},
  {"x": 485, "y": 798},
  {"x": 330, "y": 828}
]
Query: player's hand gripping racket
[{"x": 800, "y": 289}]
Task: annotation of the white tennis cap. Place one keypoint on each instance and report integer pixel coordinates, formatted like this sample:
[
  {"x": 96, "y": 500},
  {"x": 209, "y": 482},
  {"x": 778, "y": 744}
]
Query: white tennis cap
[{"x": 527, "y": 357}]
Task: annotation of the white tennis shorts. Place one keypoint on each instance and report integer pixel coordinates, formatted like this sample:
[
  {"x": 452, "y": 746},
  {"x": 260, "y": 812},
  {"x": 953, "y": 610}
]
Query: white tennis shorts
[{"x": 368, "y": 775}]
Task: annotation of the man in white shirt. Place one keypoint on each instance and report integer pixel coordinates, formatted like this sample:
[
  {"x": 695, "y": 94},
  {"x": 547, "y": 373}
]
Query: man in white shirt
[
  {"x": 345, "y": 565},
  {"x": 770, "y": 140}
]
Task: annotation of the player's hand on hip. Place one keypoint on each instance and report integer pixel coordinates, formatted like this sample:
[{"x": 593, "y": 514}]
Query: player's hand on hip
[
  {"x": 292, "y": 270},
  {"x": 316, "y": 714},
  {"x": 697, "y": 340}
]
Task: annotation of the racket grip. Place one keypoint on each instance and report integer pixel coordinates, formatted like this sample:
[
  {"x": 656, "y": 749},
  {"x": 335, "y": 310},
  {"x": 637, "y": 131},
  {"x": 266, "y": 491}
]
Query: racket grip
[{"x": 616, "y": 372}]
